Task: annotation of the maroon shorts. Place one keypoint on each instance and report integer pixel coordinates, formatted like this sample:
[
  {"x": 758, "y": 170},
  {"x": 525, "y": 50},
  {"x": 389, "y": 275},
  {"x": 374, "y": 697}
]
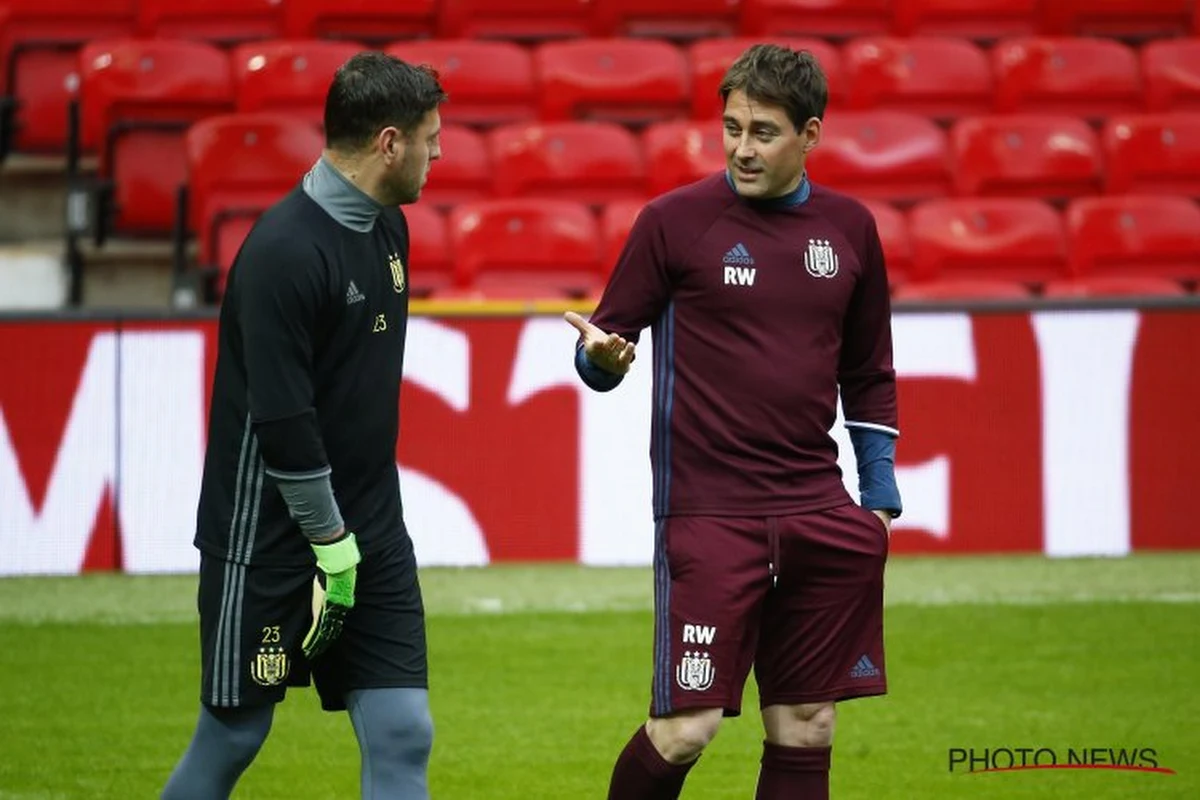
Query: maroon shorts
[{"x": 798, "y": 598}]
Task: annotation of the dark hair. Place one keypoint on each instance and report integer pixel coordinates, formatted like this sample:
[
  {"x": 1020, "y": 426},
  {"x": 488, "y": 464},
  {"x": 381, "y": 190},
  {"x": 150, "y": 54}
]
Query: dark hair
[
  {"x": 374, "y": 90},
  {"x": 791, "y": 79}
]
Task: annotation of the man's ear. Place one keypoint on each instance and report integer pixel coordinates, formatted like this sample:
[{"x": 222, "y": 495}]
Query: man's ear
[
  {"x": 811, "y": 134},
  {"x": 390, "y": 144}
]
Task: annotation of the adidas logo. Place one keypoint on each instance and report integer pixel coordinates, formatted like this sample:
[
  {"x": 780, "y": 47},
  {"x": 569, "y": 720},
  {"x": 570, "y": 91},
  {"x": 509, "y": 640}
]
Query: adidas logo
[
  {"x": 738, "y": 256},
  {"x": 353, "y": 295},
  {"x": 864, "y": 669}
]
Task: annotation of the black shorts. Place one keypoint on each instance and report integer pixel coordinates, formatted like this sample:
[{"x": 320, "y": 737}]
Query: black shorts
[{"x": 253, "y": 621}]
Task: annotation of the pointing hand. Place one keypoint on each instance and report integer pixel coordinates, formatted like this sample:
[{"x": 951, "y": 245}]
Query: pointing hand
[{"x": 606, "y": 350}]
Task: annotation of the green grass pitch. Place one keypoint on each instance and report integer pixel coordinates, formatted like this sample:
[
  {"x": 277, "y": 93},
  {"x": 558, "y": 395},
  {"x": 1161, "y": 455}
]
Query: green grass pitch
[{"x": 540, "y": 673}]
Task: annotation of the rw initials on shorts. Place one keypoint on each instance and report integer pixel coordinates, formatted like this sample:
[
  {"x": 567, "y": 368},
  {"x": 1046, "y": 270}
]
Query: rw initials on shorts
[{"x": 699, "y": 634}]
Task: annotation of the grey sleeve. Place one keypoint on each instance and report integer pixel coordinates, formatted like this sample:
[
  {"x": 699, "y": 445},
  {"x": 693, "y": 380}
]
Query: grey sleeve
[{"x": 310, "y": 502}]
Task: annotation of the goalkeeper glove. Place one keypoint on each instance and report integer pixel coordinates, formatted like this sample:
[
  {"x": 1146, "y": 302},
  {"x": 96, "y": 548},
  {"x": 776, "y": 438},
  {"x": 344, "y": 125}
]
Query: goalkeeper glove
[{"x": 331, "y": 603}]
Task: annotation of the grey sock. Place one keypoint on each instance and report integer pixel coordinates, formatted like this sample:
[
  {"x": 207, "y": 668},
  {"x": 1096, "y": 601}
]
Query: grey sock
[
  {"x": 225, "y": 742},
  {"x": 395, "y": 736}
]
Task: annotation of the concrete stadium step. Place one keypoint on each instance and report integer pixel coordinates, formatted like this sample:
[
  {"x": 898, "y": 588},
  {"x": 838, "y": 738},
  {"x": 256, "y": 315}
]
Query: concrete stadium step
[
  {"x": 33, "y": 276},
  {"x": 127, "y": 273},
  {"x": 122, "y": 274},
  {"x": 33, "y": 191}
]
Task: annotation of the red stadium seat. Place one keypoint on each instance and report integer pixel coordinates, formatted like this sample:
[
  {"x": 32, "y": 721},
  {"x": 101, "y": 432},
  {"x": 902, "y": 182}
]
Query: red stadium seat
[
  {"x": 1155, "y": 153},
  {"x": 1096, "y": 287},
  {"x": 829, "y": 19},
  {"x": 586, "y": 162},
  {"x": 1129, "y": 19},
  {"x": 615, "y": 223},
  {"x": 1085, "y": 77},
  {"x": 291, "y": 76},
  {"x": 630, "y": 81},
  {"x": 238, "y": 165},
  {"x": 964, "y": 290},
  {"x": 489, "y": 83},
  {"x": 988, "y": 239},
  {"x": 981, "y": 20},
  {"x": 892, "y": 226},
  {"x": 665, "y": 19},
  {"x": 679, "y": 152},
  {"x": 527, "y": 248},
  {"x": 223, "y": 21},
  {"x": 1171, "y": 73},
  {"x": 139, "y": 98},
  {"x": 885, "y": 155},
  {"x": 519, "y": 20},
  {"x": 431, "y": 265},
  {"x": 711, "y": 58},
  {"x": 463, "y": 174},
  {"x": 39, "y": 64},
  {"x": 1134, "y": 235},
  {"x": 939, "y": 77},
  {"x": 1024, "y": 155},
  {"x": 369, "y": 21}
]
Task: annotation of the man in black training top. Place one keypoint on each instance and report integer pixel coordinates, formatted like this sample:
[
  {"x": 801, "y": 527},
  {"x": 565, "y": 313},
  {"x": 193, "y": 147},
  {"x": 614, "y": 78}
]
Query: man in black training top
[{"x": 300, "y": 470}]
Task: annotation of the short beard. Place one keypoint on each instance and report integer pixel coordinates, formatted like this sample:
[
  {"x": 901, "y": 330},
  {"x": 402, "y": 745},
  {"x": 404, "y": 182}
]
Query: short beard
[{"x": 401, "y": 192}]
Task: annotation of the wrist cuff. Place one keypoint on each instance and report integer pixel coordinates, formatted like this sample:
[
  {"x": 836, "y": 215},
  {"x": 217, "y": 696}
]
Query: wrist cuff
[{"x": 338, "y": 556}]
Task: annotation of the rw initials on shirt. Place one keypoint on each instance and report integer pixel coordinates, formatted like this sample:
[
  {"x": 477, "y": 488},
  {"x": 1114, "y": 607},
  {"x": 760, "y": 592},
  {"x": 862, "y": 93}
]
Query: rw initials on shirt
[
  {"x": 739, "y": 276},
  {"x": 739, "y": 266}
]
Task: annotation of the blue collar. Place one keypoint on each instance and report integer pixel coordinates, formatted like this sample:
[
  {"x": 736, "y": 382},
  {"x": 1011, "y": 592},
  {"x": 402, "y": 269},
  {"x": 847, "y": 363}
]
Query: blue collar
[{"x": 796, "y": 197}]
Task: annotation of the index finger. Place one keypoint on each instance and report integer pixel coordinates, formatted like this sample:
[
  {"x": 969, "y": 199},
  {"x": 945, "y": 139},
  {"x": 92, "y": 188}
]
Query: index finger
[{"x": 580, "y": 324}]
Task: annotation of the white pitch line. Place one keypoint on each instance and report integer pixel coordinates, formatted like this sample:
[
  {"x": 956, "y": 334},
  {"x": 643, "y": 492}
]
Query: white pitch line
[
  {"x": 1079, "y": 598},
  {"x": 497, "y": 606}
]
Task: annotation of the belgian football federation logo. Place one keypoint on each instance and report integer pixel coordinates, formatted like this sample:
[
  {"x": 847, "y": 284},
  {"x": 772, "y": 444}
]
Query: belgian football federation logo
[
  {"x": 695, "y": 672},
  {"x": 270, "y": 666},
  {"x": 397, "y": 267},
  {"x": 821, "y": 260}
]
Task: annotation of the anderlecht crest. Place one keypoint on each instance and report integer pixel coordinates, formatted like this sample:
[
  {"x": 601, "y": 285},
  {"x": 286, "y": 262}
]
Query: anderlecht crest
[
  {"x": 821, "y": 261},
  {"x": 270, "y": 666},
  {"x": 397, "y": 272},
  {"x": 695, "y": 672}
]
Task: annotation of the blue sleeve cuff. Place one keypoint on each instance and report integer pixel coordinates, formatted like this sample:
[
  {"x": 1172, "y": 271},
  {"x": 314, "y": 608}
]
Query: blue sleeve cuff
[
  {"x": 876, "y": 454},
  {"x": 595, "y": 377}
]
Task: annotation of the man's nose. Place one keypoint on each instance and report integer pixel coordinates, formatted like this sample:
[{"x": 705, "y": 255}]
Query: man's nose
[{"x": 745, "y": 149}]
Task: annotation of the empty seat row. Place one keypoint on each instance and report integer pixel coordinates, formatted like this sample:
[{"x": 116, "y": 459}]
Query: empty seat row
[
  {"x": 935, "y": 76},
  {"x": 633, "y": 81},
  {"x": 230, "y": 20},
  {"x": 1023, "y": 241},
  {"x": 874, "y": 155},
  {"x": 882, "y": 155},
  {"x": 508, "y": 247},
  {"x": 1029, "y": 241},
  {"x": 519, "y": 247}
]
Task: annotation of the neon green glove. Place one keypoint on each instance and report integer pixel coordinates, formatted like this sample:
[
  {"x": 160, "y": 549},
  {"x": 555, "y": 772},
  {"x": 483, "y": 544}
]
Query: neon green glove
[{"x": 333, "y": 601}]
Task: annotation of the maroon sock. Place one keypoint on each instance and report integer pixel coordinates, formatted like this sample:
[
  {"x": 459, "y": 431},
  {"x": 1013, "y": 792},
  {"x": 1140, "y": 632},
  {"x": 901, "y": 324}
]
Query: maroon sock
[
  {"x": 642, "y": 774},
  {"x": 794, "y": 773}
]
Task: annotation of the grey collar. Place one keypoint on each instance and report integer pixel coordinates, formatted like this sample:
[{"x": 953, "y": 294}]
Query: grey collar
[{"x": 340, "y": 198}]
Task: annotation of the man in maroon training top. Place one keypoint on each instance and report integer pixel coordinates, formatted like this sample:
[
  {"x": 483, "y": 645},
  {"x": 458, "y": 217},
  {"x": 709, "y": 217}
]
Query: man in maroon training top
[{"x": 767, "y": 295}]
